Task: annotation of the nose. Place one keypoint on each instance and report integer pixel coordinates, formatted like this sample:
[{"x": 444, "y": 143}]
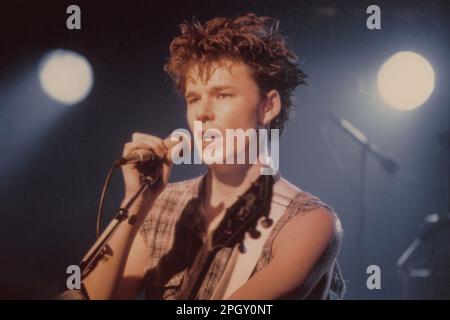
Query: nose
[{"x": 204, "y": 111}]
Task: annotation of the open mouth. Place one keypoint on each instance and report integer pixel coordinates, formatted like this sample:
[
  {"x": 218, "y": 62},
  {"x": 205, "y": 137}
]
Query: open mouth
[{"x": 208, "y": 140}]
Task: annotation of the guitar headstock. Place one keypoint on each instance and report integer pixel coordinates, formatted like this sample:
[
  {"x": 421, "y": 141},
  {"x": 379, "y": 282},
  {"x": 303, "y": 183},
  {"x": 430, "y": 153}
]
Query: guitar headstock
[{"x": 243, "y": 215}]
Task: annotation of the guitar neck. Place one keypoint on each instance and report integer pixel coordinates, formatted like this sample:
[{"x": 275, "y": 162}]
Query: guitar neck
[
  {"x": 241, "y": 217},
  {"x": 196, "y": 274}
]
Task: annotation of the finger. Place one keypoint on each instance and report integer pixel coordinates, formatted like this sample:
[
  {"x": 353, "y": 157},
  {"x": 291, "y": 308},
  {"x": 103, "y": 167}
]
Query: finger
[
  {"x": 150, "y": 140},
  {"x": 155, "y": 145},
  {"x": 130, "y": 146},
  {"x": 145, "y": 138},
  {"x": 137, "y": 136}
]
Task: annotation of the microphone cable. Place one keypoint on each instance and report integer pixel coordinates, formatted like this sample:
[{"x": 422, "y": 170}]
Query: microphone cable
[{"x": 102, "y": 199}]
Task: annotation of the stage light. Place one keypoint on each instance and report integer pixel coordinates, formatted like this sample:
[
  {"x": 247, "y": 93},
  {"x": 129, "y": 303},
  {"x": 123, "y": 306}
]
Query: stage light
[
  {"x": 406, "y": 80},
  {"x": 66, "y": 76}
]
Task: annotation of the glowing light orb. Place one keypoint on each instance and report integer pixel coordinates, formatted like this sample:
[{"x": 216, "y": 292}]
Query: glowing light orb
[
  {"x": 406, "y": 80},
  {"x": 66, "y": 76}
]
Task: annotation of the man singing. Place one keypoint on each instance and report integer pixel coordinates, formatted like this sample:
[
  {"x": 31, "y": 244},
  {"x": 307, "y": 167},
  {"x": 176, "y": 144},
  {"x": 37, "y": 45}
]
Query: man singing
[{"x": 194, "y": 239}]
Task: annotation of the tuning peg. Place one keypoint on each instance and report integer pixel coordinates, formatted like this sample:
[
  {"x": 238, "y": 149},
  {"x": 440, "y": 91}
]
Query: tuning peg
[
  {"x": 242, "y": 247},
  {"x": 266, "y": 222},
  {"x": 254, "y": 234}
]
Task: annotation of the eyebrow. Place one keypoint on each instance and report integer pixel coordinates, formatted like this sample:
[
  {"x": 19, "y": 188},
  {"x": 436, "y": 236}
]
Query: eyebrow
[{"x": 213, "y": 89}]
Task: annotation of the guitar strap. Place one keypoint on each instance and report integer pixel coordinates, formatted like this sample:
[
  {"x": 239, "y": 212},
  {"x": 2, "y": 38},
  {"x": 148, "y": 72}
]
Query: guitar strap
[{"x": 241, "y": 264}]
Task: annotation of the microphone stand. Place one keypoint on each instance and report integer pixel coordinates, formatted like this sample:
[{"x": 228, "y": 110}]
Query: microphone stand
[
  {"x": 101, "y": 249},
  {"x": 388, "y": 164},
  {"x": 362, "y": 204}
]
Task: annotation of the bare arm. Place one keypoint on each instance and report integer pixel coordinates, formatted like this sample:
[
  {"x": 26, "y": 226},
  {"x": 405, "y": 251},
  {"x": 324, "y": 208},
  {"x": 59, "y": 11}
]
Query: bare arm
[
  {"x": 297, "y": 250},
  {"x": 120, "y": 273}
]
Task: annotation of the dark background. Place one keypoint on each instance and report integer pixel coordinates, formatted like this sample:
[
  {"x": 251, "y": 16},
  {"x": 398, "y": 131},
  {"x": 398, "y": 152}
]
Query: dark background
[{"x": 54, "y": 158}]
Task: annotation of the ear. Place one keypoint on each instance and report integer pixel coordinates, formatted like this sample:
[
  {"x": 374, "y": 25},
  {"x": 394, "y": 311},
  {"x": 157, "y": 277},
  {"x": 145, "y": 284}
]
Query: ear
[{"x": 270, "y": 108}]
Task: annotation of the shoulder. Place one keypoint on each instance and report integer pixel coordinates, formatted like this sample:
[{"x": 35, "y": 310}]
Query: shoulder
[
  {"x": 307, "y": 218},
  {"x": 302, "y": 202}
]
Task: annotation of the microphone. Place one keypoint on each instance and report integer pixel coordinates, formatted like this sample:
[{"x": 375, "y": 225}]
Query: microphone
[
  {"x": 137, "y": 156},
  {"x": 148, "y": 155}
]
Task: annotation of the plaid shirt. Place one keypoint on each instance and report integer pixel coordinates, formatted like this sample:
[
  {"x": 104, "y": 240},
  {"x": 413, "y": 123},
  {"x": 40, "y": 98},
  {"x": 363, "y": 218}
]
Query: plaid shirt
[{"x": 173, "y": 232}]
